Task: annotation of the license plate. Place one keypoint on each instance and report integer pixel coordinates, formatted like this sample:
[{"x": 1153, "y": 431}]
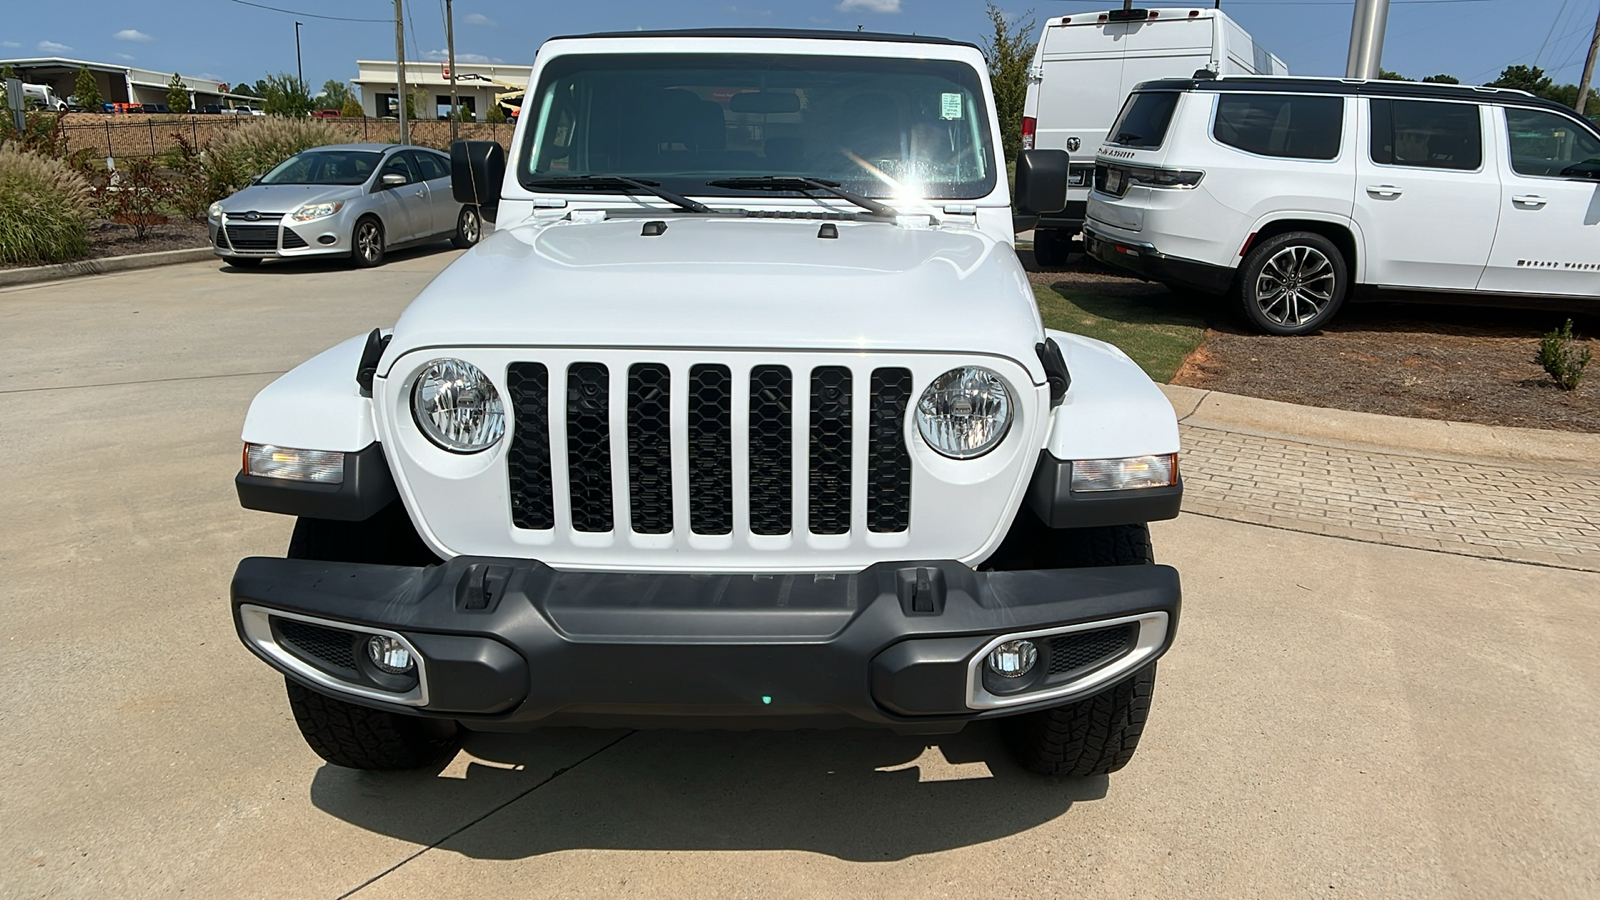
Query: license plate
[{"x": 1114, "y": 181}]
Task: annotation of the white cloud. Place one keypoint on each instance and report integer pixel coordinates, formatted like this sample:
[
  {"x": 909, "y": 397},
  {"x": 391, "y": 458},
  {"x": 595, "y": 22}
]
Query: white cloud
[
  {"x": 52, "y": 47},
  {"x": 479, "y": 19},
  {"x": 444, "y": 56},
  {"x": 877, "y": 6},
  {"x": 132, "y": 34},
  {"x": 124, "y": 57},
  {"x": 9, "y": 44}
]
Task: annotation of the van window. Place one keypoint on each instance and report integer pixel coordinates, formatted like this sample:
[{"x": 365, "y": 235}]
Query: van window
[
  {"x": 1546, "y": 144},
  {"x": 1286, "y": 125},
  {"x": 1426, "y": 134},
  {"x": 1143, "y": 121}
]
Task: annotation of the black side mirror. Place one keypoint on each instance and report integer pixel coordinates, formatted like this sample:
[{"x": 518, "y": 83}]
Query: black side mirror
[
  {"x": 476, "y": 170},
  {"x": 1041, "y": 187}
]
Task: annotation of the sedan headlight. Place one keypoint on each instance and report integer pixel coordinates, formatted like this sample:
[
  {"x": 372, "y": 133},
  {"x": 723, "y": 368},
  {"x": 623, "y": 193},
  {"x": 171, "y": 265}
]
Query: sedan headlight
[
  {"x": 965, "y": 412},
  {"x": 313, "y": 211},
  {"x": 457, "y": 407},
  {"x": 214, "y": 212}
]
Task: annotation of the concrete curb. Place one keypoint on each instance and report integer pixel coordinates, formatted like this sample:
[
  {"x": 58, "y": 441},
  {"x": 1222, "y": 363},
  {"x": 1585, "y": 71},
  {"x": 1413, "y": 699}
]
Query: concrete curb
[
  {"x": 36, "y": 274},
  {"x": 1370, "y": 432}
]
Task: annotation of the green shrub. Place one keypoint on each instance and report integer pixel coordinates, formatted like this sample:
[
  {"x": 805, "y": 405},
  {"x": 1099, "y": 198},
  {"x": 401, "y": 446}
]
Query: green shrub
[
  {"x": 1560, "y": 356},
  {"x": 229, "y": 163},
  {"x": 44, "y": 209}
]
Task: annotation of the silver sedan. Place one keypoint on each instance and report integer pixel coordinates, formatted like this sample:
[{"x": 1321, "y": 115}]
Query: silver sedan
[{"x": 355, "y": 200}]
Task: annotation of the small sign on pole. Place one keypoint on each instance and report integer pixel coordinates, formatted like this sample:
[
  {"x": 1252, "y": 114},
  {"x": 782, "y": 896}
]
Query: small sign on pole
[{"x": 15, "y": 100}]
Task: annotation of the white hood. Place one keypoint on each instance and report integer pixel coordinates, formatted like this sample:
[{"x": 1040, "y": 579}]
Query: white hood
[{"x": 731, "y": 283}]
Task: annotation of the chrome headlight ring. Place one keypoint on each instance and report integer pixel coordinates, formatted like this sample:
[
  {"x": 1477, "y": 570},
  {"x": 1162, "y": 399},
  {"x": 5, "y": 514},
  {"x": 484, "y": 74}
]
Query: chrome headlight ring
[
  {"x": 965, "y": 413},
  {"x": 457, "y": 407}
]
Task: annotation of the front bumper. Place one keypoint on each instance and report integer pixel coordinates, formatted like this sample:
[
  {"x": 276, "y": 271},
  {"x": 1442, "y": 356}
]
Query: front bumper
[
  {"x": 281, "y": 239},
  {"x": 505, "y": 644},
  {"x": 1147, "y": 262}
]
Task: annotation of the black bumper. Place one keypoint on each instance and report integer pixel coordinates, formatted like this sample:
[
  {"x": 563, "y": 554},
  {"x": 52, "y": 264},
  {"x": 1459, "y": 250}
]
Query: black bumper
[
  {"x": 1151, "y": 264},
  {"x": 508, "y": 644}
]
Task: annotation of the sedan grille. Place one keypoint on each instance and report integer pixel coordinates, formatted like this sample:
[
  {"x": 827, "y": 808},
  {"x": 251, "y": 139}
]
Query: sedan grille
[
  {"x": 703, "y": 459},
  {"x": 253, "y": 237}
]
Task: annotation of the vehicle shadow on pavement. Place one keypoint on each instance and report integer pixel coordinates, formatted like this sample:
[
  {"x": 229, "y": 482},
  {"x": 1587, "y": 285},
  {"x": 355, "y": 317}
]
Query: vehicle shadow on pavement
[
  {"x": 312, "y": 264},
  {"x": 854, "y": 795}
]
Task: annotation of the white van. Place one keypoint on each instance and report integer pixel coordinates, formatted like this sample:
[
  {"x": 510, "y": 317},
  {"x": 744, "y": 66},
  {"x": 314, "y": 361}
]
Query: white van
[{"x": 1085, "y": 66}]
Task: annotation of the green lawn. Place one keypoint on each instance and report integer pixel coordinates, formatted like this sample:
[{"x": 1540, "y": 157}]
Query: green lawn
[{"x": 1158, "y": 330}]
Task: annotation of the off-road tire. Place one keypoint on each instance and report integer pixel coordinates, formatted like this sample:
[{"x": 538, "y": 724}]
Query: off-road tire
[
  {"x": 367, "y": 256},
  {"x": 1094, "y": 736},
  {"x": 358, "y": 737},
  {"x": 1050, "y": 248},
  {"x": 1110, "y": 545},
  {"x": 1263, "y": 313},
  {"x": 469, "y": 228}
]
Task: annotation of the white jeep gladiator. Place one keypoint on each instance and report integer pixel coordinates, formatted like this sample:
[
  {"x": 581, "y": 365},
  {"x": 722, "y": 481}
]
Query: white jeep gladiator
[{"x": 744, "y": 417}]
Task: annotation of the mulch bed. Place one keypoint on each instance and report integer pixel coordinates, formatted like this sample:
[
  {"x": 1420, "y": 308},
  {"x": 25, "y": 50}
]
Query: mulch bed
[
  {"x": 109, "y": 239},
  {"x": 1464, "y": 364}
]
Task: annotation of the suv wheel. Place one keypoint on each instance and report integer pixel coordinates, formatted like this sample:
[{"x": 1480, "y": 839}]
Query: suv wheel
[
  {"x": 358, "y": 737},
  {"x": 1098, "y": 734},
  {"x": 1050, "y": 248},
  {"x": 469, "y": 227},
  {"x": 1293, "y": 283},
  {"x": 367, "y": 246}
]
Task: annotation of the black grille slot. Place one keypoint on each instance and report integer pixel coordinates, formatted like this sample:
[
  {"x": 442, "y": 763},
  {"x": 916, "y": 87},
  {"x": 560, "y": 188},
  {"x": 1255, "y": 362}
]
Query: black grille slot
[
  {"x": 589, "y": 446},
  {"x": 327, "y": 645},
  {"x": 830, "y": 450},
  {"x": 292, "y": 241},
  {"x": 253, "y": 237},
  {"x": 771, "y": 450},
  {"x": 1083, "y": 649},
  {"x": 650, "y": 448},
  {"x": 220, "y": 240},
  {"x": 889, "y": 465},
  {"x": 710, "y": 450},
  {"x": 528, "y": 458}
]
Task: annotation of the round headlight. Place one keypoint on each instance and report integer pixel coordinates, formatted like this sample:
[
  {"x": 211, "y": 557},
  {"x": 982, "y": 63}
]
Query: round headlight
[
  {"x": 966, "y": 412},
  {"x": 457, "y": 407}
]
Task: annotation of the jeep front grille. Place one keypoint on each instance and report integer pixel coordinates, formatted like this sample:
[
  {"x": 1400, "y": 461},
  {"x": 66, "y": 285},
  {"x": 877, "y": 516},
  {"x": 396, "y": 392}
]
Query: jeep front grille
[{"x": 701, "y": 459}]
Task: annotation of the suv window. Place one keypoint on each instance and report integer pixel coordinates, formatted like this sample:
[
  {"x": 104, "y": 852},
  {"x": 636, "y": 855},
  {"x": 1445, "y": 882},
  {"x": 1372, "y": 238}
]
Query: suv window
[
  {"x": 1143, "y": 122},
  {"x": 1546, "y": 144},
  {"x": 1427, "y": 134},
  {"x": 1284, "y": 125}
]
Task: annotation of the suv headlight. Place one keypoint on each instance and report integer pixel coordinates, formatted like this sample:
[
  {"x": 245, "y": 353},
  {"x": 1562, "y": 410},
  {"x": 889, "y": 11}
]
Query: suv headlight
[
  {"x": 965, "y": 412},
  {"x": 313, "y": 211},
  {"x": 457, "y": 407}
]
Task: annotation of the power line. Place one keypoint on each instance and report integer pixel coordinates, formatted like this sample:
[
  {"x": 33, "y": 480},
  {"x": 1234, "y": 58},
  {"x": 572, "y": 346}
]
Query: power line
[
  {"x": 1548, "y": 34},
  {"x": 306, "y": 14}
]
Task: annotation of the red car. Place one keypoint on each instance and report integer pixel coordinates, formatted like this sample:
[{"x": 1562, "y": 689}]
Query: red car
[{"x": 325, "y": 114}]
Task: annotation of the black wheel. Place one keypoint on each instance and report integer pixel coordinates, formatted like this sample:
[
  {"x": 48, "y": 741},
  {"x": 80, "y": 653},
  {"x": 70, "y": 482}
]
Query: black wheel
[
  {"x": 1050, "y": 248},
  {"x": 1293, "y": 283},
  {"x": 1094, "y": 736},
  {"x": 366, "y": 243},
  {"x": 244, "y": 262},
  {"x": 358, "y": 737},
  {"x": 1097, "y": 734},
  {"x": 469, "y": 228}
]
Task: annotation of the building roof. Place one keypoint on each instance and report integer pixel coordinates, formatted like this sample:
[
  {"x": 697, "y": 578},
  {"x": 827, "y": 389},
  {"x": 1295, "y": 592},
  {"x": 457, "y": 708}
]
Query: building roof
[{"x": 136, "y": 75}]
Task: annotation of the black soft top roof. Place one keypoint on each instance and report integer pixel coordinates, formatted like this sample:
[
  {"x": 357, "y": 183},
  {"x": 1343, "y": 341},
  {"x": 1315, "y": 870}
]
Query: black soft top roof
[
  {"x": 1405, "y": 90},
  {"x": 806, "y": 33}
]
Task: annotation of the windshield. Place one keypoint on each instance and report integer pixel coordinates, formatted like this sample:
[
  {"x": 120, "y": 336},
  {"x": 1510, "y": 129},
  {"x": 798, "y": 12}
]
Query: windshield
[
  {"x": 325, "y": 167},
  {"x": 879, "y": 127}
]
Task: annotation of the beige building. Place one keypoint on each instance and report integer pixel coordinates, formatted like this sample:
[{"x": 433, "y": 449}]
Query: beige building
[
  {"x": 477, "y": 84},
  {"x": 123, "y": 84}
]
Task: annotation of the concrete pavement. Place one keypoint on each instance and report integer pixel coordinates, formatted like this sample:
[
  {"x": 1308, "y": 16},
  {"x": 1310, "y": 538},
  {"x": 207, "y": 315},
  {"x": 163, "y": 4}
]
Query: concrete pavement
[{"x": 1338, "y": 718}]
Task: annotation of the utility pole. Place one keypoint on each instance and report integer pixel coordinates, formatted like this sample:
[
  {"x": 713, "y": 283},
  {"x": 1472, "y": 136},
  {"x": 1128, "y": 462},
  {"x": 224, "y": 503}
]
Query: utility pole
[
  {"x": 450, "y": 47},
  {"x": 299, "y": 70},
  {"x": 1588, "y": 69},
  {"x": 1366, "y": 39},
  {"x": 400, "y": 69}
]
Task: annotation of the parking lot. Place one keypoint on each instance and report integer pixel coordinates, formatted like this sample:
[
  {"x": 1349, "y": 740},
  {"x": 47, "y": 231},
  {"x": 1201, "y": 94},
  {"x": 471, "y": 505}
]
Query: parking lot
[{"x": 1337, "y": 717}]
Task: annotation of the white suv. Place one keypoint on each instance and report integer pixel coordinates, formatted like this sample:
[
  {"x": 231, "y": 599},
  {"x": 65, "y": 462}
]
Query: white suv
[{"x": 1289, "y": 193}]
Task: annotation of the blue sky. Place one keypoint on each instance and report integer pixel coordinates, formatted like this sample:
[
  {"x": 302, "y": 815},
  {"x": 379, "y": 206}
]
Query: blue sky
[{"x": 1472, "y": 39}]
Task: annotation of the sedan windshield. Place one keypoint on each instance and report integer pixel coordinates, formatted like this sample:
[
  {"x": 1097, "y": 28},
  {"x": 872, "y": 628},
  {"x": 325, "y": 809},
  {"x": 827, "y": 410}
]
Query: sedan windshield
[
  {"x": 893, "y": 128},
  {"x": 325, "y": 167}
]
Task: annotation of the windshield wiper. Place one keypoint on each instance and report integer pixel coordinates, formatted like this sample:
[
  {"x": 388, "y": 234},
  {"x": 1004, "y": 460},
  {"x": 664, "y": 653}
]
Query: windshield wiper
[
  {"x": 804, "y": 185},
  {"x": 623, "y": 181}
]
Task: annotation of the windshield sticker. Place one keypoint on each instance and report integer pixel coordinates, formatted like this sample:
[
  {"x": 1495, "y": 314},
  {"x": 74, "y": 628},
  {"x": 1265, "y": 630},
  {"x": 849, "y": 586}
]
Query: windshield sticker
[{"x": 949, "y": 106}]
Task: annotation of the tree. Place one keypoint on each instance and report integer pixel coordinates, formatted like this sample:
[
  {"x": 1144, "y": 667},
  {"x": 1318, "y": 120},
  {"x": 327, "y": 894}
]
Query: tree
[
  {"x": 352, "y": 108},
  {"x": 497, "y": 116},
  {"x": 1386, "y": 75},
  {"x": 86, "y": 90},
  {"x": 285, "y": 95},
  {"x": 8, "y": 71},
  {"x": 1441, "y": 79},
  {"x": 1525, "y": 78},
  {"x": 177, "y": 94},
  {"x": 335, "y": 94},
  {"x": 1009, "y": 52}
]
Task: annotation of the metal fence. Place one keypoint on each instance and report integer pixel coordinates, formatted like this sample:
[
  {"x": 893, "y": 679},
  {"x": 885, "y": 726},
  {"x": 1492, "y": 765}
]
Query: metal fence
[{"x": 135, "y": 136}]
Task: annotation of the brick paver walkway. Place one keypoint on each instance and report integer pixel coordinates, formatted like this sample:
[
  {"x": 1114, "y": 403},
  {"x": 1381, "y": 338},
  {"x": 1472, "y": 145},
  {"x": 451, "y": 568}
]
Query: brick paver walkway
[{"x": 1540, "y": 515}]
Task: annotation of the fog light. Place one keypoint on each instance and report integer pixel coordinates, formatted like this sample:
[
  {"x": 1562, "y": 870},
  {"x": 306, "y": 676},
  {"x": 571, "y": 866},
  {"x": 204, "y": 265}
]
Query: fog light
[
  {"x": 327, "y": 239},
  {"x": 1013, "y": 659},
  {"x": 389, "y": 654}
]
